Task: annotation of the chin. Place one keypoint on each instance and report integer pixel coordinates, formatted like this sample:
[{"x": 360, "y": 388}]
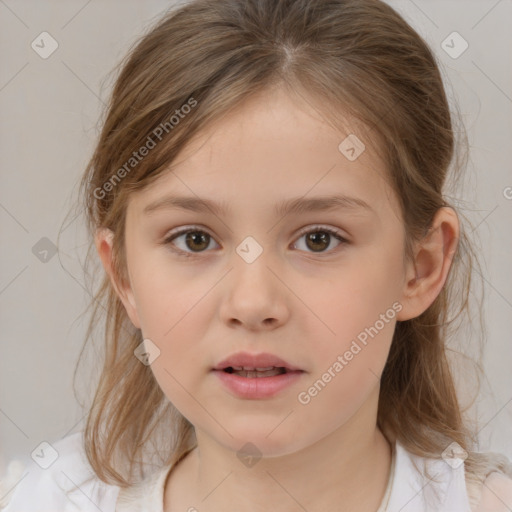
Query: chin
[{"x": 259, "y": 444}]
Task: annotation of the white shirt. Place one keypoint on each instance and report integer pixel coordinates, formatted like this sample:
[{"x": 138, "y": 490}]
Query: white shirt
[{"x": 70, "y": 485}]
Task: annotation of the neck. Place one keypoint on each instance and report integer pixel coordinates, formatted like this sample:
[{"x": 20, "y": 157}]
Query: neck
[{"x": 346, "y": 470}]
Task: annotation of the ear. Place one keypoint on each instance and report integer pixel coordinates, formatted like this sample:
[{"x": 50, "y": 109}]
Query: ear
[
  {"x": 104, "y": 241},
  {"x": 433, "y": 256}
]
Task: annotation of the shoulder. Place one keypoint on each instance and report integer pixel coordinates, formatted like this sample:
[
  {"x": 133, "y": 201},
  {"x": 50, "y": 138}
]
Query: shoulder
[
  {"x": 59, "y": 477},
  {"x": 496, "y": 494},
  {"x": 423, "y": 484},
  {"x": 489, "y": 483},
  {"x": 481, "y": 482}
]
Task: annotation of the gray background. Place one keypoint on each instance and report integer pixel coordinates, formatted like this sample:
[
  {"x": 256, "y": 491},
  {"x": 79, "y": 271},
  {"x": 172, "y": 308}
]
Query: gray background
[{"x": 50, "y": 112}]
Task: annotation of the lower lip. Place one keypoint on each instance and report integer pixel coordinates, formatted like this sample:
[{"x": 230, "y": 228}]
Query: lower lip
[{"x": 257, "y": 387}]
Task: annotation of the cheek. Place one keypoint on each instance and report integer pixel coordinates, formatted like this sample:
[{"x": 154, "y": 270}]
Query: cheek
[
  {"x": 370, "y": 285},
  {"x": 346, "y": 372},
  {"x": 355, "y": 320},
  {"x": 166, "y": 294},
  {"x": 174, "y": 306},
  {"x": 353, "y": 300},
  {"x": 176, "y": 325}
]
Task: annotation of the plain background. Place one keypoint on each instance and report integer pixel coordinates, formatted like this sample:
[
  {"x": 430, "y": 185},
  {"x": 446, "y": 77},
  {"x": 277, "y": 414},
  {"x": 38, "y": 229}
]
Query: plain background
[{"x": 50, "y": 113}]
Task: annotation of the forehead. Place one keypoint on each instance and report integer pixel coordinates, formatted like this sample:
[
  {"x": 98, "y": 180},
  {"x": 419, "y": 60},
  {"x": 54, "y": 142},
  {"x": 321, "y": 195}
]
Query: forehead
[{"x": 271, "y": 148}]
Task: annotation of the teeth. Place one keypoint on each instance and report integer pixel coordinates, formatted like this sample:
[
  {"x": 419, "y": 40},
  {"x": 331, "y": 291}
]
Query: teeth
[
  {"x": 258, "y": 373},
  {"x": 251, "y": 368}
]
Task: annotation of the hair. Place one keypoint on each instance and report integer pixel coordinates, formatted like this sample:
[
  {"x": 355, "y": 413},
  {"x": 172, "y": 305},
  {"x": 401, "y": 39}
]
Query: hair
[{"x": 358, "y": 59}]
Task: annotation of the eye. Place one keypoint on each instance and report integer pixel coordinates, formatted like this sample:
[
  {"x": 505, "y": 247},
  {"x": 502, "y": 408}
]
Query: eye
[
  {"x": 319, "y": 238},
  {"x": 195, "y": 239}
]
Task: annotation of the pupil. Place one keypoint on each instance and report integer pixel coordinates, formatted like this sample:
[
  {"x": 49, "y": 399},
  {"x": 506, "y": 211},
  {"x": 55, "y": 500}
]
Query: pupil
[
  {"x": 197, "y": 235},
  {"x": 318, "y": 236}
]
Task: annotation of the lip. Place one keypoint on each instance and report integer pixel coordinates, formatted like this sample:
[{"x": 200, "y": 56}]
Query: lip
[
  {"x": 257, "y": 387},
  {"x": 247, "y": 360}
]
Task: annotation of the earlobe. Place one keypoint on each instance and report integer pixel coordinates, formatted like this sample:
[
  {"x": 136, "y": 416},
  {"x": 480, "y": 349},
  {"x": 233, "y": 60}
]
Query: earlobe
[
  {"x": 433, "y": 256},
  {"x": 104, "y": 243}
]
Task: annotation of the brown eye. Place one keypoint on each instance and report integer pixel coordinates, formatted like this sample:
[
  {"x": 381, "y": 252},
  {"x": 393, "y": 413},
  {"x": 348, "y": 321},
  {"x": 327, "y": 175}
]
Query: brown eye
[
  {"x": 319, "y": 239},
  {"x": 190, "y": 241},
  {"x": 197, "y": 240}
]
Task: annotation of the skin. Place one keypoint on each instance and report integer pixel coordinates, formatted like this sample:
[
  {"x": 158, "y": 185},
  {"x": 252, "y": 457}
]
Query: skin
[{"x": 304, "y": 306}]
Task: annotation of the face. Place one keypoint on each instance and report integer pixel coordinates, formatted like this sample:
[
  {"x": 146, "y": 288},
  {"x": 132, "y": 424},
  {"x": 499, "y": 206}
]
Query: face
[{"x": 319, "y": 288}]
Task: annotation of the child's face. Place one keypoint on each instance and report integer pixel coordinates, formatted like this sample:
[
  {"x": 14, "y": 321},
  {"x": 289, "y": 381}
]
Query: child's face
[{"x": 305, "y": 301}]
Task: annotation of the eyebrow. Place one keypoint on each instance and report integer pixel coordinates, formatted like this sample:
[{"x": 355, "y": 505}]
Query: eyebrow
[{"x": 294, "y": 206}]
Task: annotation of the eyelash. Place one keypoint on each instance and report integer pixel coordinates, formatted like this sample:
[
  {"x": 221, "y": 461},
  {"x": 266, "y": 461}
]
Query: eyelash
[{"x": 196, "y": 229}]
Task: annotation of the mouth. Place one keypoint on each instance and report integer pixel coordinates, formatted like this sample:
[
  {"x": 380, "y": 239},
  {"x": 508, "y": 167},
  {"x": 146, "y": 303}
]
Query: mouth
[
  {"x": 266, "y": 378},
  {"x": 251, "y": 366},
  {"x": 254, "y": 373}
]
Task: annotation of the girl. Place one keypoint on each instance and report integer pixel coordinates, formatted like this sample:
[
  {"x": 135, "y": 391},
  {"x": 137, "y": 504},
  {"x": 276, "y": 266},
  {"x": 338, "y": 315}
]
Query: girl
[{"x": 266, "y": 198}]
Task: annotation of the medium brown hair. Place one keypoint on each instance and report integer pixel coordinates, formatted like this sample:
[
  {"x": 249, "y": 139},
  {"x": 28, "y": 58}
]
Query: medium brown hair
[{"x": 358, "y": 58}]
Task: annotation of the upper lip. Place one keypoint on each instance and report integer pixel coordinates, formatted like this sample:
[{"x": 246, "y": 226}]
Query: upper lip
[{"x": 247, "y": 360}]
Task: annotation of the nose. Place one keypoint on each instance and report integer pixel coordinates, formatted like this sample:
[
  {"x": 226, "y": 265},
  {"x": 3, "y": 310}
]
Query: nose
[{"x": 253, "y": 296}]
